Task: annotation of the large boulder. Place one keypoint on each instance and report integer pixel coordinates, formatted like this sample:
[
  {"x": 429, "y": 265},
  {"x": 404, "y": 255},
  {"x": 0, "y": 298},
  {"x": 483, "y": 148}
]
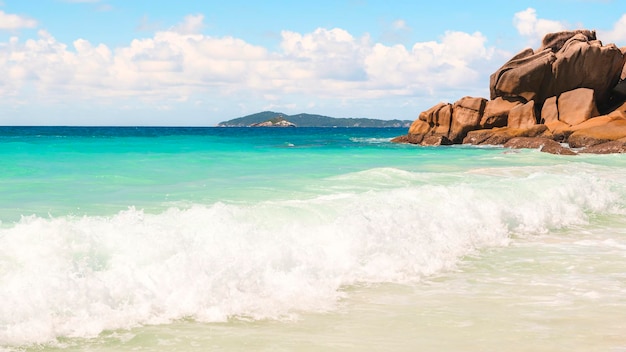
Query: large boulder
[
  {"x": 544, "y": 144},
  {"x": 571, "y": 108},
  {"x": 442, "y": 121},
  {"x": 434, "y": 140},
  {"x": 587, "y": 137},
  {"x": 556, "y": 41},
  {"x": 408, "y": 139},
  {"x": 618, "y": 146},
  {"x": 466, "y": 115},
  {"x": 496, "y": 112},
  {"x": 585, "y": 63},
  {"x": 525, "y": 76},
  {"x": 437, "y": 120},
  {"x": 549, "y": 111},
  {"x": 566, "y": 61},
  {"x": 523, "y": 116},
  {"x": 419, "y": 127},
  {"x": 599, "y": 121},
  {"x": 499, "y": 136},
  {"x": 577, "y": 106}
]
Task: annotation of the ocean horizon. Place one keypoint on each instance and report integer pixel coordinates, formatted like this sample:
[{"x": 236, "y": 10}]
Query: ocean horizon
[{"x": 310, "y": 239}]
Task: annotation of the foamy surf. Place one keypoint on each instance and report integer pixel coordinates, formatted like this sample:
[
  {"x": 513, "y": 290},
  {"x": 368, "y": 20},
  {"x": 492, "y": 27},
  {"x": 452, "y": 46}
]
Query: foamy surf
[{"x": 78, "y": 276}]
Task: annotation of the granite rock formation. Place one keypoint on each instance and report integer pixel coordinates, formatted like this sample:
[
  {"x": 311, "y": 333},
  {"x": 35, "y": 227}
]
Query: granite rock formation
[{"x": 571, "y": 90}]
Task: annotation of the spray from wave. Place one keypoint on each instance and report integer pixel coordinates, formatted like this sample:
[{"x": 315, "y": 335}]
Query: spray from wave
[{"x": 78, "y": 276}]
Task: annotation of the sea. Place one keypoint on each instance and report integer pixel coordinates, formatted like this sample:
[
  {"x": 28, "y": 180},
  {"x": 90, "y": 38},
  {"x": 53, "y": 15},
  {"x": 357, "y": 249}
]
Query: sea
[{"x": 304, "y": 239}]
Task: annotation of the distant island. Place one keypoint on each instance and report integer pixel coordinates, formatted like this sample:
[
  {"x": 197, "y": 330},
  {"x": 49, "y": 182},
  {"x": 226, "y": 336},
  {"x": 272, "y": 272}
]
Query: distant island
[{"x": 277, "y": 119}]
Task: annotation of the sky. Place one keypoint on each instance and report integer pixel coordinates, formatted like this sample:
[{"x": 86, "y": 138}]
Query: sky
[{"x": 197, "y": 63}]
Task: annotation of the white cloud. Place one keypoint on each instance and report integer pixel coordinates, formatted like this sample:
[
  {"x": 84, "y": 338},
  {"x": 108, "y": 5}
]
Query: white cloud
[
  {"x": 12, "y": 22},
  {"x": 430, "y": 66},
  {"x": 192, "y": 24},
  {"x": 617, "y": 35},
  {"x": 528, "y": 25},
  {"x": 325, "y": 54},
  {"x": 180, "y": 65}
]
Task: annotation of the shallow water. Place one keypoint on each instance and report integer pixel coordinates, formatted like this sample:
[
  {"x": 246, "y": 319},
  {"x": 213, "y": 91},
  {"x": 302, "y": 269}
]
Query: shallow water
[{"x": 307, "y": 239}]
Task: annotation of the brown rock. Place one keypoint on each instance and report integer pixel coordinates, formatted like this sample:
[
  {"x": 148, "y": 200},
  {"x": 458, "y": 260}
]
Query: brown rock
[
  {"x": 586, "y": 63},
  {"x": 408, "y": 139},
  {"x": 544, "y": 144},
  {"x": 523, "y": 76},
  {"x": 496, "y": 112},
  {"x": 498, "y": 136},
  {"x": 555, "y": 41},
  {"x": 577, "y": 106},
  {"x": 621, "y": 108},
  {"x": 619, "y": 91},
  {"x": 581, "y": 61},
  {"x": 436, "y": 120},
  {"x": 522, "y": 116},
  {"x": 443, "y": 120},
  {"x": 466, "y": 115},
  {"x": 419, "y": 127},
  {"x": 434, "y": 140},
  {"x": 618, "y": 114},
  {"x": 611, "y": 131},
  {"x": 557, "y": 92},
  {"x": 599, "y": 121},
  {"x": 560, "y": 130},
  {"x": 427, "y": 115},
  {"x": 477, "y": 137},
  {"x": 618, "y": 146},
  {"x": 549, "y": 111},
  {"x": 554, "y": 147},
  {"x": 623, "y": 76}
]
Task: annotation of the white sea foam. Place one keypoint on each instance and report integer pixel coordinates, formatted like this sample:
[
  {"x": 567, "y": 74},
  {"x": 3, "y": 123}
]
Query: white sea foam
[
  {"x": 79, "y": 276},
  {"x": 370, "y": 140}
]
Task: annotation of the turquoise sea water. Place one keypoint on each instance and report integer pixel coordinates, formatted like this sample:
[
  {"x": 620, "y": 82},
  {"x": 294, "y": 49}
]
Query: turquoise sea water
[{"x": 195, "y": 239}]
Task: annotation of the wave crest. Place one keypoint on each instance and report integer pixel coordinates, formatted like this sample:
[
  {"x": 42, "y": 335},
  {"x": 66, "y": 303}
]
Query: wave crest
[{"x": 79, "y": 276}]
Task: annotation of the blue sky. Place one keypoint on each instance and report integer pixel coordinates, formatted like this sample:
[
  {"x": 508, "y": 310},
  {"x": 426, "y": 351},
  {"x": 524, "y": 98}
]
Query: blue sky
[{"x": 196, "y": 63}]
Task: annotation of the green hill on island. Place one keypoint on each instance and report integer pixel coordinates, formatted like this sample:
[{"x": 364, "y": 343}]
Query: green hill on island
[{"x": 309, "y": 120}]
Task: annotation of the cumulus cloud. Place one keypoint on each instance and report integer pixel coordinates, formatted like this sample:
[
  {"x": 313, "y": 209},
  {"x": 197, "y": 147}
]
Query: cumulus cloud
[
  {"x": 533, "y": 28},
  {"x": 12, "y": 22},
  {"x": 428, "y": 66},
  {"x": 325, "y": 54},
  {"x": 327, "y": 67},
  {"x": 173, "y": 65}
]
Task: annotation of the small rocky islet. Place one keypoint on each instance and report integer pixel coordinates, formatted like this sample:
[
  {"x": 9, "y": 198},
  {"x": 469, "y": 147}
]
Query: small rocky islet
[{"x": 567, "y": 97}]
